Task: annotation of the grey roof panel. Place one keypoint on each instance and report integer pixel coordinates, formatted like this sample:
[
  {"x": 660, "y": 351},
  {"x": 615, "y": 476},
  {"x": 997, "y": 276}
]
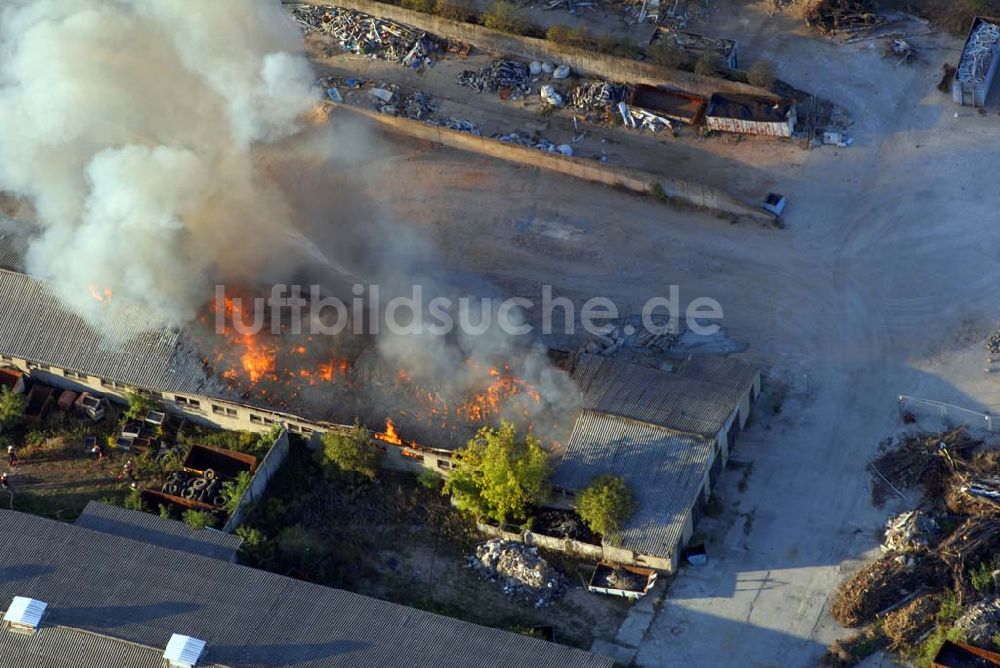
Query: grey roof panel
[
  {"x": 726, "y": 371},
  {"x": 37, "y": 327},
  {"x": 144, "y": 593},
  {"x": 663, "y": 468},
  {"x": 152, "y": 529},
  {"x": 661, "y": 398},
  {"x": 61, "y": 647}
]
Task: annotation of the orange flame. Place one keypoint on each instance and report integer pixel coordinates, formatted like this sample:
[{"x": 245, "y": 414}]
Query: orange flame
[
  {"x": 98, "y": 294},
  {"x": 257, "y": 360},
  {"x": 389, "y": 435}
]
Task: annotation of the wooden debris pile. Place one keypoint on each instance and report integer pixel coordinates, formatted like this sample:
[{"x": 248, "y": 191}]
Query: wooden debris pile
[
  {"x": 842, "y": 16},
  {"x": 922, "y": 458},
  {"x": 904, "y": 626},
  {"x": 884, "y": 586},
  {"x": 976, "y": 540}
]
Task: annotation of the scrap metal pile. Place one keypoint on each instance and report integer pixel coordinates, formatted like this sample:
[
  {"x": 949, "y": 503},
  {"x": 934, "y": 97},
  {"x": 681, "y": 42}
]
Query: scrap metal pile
[
  {"x": 511, "y": 78},
  {"x": 519, "y": 571},
  {"x": 979, "y": 53},
  {"x": 619, "y": 578},
  {"x": 369, "y": 35},
  {"x": 596, "y": 95},
  {"x": 206, "y": 488},
  {"x": 541, "y": 143},
  {"x": 833, "y": 16}
]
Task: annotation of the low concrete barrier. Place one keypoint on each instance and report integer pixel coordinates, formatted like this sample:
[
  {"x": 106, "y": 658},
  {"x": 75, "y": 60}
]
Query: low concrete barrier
[
  {"x": 591, "y": 63},
  {"x": 677, "y": 190},
  {"x": 268, "y": 467}
]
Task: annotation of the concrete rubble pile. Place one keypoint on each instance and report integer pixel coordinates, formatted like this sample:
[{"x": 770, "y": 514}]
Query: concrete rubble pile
[
  {"x": 980, "y": 622},
  {"x": 369, "y": 35},
  {"x": 541, "y": 143},
  {"x": 635, "y": 337},
  {"x": 511, "y": 77},
  {"x": 596, "y": 95},
  {"x": 910, "y": 531},
  {"x": 519, "y": 571}
]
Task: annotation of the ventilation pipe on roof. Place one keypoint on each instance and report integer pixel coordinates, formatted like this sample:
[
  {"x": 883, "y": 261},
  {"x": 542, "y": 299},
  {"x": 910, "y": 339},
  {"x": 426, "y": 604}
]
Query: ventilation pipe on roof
[
  {"x": 24, "y": 615},
  {"x": 183, "y": 651}
]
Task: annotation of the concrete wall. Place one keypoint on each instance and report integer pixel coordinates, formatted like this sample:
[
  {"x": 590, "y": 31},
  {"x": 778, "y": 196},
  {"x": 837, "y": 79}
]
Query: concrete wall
[
  {"x": 266, "y": 470},
  {"x": 575, "y": 547},
  {"x": 635, "y": 180},
  {"x": 591, "y": 63}
]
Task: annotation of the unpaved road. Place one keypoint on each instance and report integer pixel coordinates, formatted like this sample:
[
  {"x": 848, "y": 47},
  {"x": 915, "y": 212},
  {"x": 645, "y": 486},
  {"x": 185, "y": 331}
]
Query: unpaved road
[{"x": 883, "y": 284}]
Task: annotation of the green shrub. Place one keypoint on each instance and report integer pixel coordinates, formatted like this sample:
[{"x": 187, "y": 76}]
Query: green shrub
[
  {"x": 134, "y": 501},
  {"x": 233, "y": 490},
  {"x": 667, "y": 54},
  {"x": 199, "y": 519},
  {"x": 139, "y": 403},
  {"x": 950, "y": 609},
  {"x": 709, "y": 65},
  {"x": 578, "y": 36},
  {"x": 425, "y": 6},
  {"x": 981, "y": 577},
  {"x": 929, "y": 649},
  {"x": 506, "y": 17},
  {"x": 456, "y": 10},
  {"x": 623, "y": 47},
  {"x": 429, "y": 479},
  {"x": 761, "y": 74}
]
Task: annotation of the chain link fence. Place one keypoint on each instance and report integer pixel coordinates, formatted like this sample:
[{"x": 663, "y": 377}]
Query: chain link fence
[{"x": 949, "y": 414}]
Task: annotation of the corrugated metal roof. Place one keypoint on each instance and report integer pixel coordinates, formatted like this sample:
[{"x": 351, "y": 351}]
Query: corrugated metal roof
[
  {"x": 663, "y": 468},
  {"x": 154, "y": 530},
  {"x": 37, "y": 327},
  {"x": 729, "y": 372},
  {"x": 143, "y": 593},
  {"x": 661, "y": 398},
  {"x": 61, "y": 647}
]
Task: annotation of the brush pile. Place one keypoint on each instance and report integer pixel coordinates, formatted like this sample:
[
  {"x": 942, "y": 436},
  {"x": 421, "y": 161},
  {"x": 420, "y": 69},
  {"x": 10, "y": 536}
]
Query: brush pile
[
  {"x": 882, "y": 586},
  {"x": 905, "y": 625},
  {"x": 922, "y": 458}
]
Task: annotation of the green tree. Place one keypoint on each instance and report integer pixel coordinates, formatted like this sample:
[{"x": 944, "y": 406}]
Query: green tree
[
  {"x": 12, "y": 407},
  {"x": 499, "y": 475},
  {"x": 605, "y": 505},
  {"x": 351, "y": 451}
]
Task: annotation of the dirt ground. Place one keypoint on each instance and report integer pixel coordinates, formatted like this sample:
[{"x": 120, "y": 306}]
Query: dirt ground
[{"x": 55, "y": 477}]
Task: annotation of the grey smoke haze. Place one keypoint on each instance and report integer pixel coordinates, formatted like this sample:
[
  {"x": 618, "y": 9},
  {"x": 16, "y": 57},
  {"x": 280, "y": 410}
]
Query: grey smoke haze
[{"x": 128, "y": 124}]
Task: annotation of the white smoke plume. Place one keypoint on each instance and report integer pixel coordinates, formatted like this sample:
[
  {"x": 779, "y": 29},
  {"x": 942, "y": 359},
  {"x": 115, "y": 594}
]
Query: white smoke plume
[{"x": 128, "y": 124}]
